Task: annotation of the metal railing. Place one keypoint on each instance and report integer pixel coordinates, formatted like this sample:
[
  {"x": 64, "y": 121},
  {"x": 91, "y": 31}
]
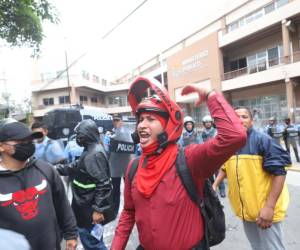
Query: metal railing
[{"x": 265, "y": 65}]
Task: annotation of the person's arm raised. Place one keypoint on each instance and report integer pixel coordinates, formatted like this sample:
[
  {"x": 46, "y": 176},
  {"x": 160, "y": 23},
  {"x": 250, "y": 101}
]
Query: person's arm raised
[{"x": 206, "y": 158}]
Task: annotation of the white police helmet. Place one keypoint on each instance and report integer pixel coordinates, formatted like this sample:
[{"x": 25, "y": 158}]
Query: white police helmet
[
  {"x": 207, "y": 118},
  {"x": 188, "y": 119}
]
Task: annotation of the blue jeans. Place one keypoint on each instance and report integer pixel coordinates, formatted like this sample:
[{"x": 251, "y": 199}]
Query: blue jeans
[{"x": 89, "y": 242}]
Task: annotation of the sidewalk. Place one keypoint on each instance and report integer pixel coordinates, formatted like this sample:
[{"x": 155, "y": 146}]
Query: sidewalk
[{"x": 295, "y": 165}]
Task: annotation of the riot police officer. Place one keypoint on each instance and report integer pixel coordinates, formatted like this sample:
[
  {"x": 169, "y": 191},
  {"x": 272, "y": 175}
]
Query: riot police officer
[
  {"x": 190, "y": 135},
  {"x": 120, "y": 148},
  {"x": 274, "y": 130},
  {"x": 209, "y": 129},
  {"x": 290, "y": 136}
]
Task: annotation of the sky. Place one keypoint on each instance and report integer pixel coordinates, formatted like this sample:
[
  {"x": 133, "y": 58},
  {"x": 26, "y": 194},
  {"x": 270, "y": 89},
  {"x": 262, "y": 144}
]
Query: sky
[{"x": 154, "y": 27}]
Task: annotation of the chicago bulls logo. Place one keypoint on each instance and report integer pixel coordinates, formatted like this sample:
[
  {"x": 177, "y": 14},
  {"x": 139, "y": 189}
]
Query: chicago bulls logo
[{"x": 25, "y": 201}]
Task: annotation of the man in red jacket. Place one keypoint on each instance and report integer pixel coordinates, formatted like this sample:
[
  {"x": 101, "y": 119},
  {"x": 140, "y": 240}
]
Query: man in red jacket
[{"x": 156, "y": 200}]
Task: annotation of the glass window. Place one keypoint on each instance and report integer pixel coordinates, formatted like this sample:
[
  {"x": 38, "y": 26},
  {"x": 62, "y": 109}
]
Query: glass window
[
  {"x": 123, "y": 101},
  {"x": 238, "y": 64},
  {"x": 273, "y": 57},
  {"x": 266, "y": 106},
  {"x": 110, "y": 100},
  {"x": 269, "y": 8},
  {"x": 249, "y": 18},
  {"x": 242, "y": 63},
  {"x": 233, "y": 26},
  {"x": 280, "y": 3},
  {"x": 114, "y": 100},
  {"x": 64, "y": 99},
  {"x": 233, "y": 65},
  {"x": 48, "y": 101},
  {"x": 241, "y": 22},
  {"x": 251, "y": 62},
  {"x": 261, "y": 61},
  {"x": 120, "y": 101},
  {"x": 257, "y": 14},
  {"x": 83, "y": 98},
  {"x": 94, "y": 99},
  {"x": 280, "y": 53}
]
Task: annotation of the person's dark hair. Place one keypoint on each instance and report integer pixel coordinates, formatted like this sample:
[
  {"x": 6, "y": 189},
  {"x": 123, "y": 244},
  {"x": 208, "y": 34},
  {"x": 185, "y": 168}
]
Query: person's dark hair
[
  {"x": 39, "y": 125},
  {"x": 246, "y": 108}
]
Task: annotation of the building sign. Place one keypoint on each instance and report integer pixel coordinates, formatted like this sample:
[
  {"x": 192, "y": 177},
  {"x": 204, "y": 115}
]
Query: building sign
[
  {"x": 190, "y": 64},
  {"x": 195, "y": 63}
]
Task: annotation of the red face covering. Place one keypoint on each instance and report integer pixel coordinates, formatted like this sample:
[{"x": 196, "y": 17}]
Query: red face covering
[{"x": 152, "y": 166}]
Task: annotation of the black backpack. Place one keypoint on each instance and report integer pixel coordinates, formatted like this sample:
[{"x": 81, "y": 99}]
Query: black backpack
[{"x": 210, "y": 206}]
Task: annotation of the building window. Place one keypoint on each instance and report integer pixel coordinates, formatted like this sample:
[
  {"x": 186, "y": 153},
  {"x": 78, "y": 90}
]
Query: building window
[
  {"x": 238, "y": 64},
  {"x": 265, "y": 106},
  {"x": 113, "y": 100},
  {"x": 269, "y": 8},
  {"x": 256, "y": 62},
  {"x": 120, "y": 101},
  {"x": 94, "y": 99},
  {"x": 256, "y": 14},
  {"x": 268, "y": 58},
  {"x": 234, "y": 65},
  {"x": 64, "y": 99},
  {"x": 251, "y": 62},
  {"x": 48, "y": 101},
  {"x": 273, "y": 56},
  {"x": 83, "y": 98},
  {"x": 280, "y": 3},
  {"x": 261, "y": 61},
  {"x": 233, "y": 26}
]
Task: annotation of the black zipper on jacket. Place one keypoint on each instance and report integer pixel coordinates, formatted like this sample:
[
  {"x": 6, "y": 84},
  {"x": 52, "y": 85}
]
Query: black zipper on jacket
[{"x": 238, "y": 183}]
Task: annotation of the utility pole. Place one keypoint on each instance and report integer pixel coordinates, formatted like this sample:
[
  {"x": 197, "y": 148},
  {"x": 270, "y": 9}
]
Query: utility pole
[{"x": 68, "y": 77}]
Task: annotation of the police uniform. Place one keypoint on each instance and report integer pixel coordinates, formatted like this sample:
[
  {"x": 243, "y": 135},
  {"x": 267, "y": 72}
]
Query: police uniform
[
  {"x": 120, "y": 148},
  {"x": 290, "y": 139}
]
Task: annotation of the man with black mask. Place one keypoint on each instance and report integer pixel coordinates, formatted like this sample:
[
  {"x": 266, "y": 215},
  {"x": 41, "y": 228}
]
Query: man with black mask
[
  {"x": 32, "y": 195},
  {"x": 91, "y": 186}
]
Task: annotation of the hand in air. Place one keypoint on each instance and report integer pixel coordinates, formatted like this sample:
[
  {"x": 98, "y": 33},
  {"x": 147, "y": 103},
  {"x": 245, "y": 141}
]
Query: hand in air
[{"x": 202, "y": 92}]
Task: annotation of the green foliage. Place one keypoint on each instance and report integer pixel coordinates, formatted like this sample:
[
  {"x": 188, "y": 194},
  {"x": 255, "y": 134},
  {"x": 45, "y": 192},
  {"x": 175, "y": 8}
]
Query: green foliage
[{"x": 21, "y": 21}]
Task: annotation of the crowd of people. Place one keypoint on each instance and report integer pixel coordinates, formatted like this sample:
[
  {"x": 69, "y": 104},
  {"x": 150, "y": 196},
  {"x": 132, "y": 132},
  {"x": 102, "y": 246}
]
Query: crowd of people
[{"x": 35, "y": 207}]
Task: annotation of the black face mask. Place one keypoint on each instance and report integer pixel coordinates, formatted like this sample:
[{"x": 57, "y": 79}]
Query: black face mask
[{"x": 23, "y": 151}]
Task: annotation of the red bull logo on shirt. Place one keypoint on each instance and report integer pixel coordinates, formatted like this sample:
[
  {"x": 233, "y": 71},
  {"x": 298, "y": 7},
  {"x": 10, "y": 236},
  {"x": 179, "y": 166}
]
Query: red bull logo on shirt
[{"x": 25, "y": 201}]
